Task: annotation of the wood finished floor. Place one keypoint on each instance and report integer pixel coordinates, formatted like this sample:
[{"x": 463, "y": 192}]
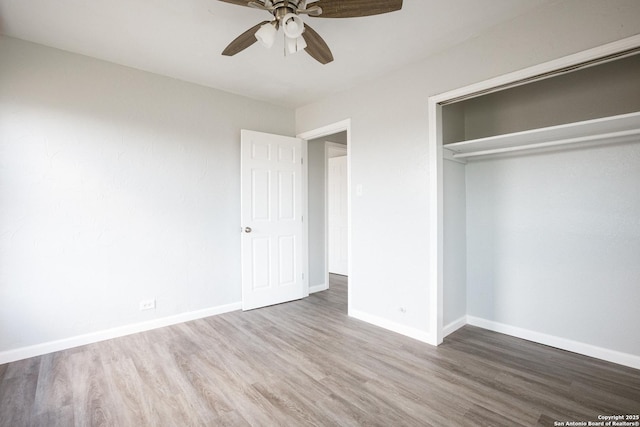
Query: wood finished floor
[{"x": 307, "y": 363}]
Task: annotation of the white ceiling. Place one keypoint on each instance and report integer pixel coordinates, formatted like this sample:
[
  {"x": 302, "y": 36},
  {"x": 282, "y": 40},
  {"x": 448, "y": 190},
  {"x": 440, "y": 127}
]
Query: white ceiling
[{"x": 183, "y": 39}]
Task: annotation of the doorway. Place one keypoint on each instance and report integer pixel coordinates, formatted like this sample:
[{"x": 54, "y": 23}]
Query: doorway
[{"x": 322, "y": 144}]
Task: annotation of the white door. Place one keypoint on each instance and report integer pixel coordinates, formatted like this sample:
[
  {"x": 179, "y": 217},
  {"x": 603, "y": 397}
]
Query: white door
[
  {"x": 338, "y": 225},
  {"x": 271, "y": 219}
]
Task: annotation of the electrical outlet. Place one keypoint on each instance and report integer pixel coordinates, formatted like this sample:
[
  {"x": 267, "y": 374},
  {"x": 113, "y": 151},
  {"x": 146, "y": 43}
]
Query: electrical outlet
[{"x": 147, "y": 304}]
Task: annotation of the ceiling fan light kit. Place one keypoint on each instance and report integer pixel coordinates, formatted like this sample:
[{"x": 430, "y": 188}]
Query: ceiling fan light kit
[
  {"x": 295, "y": 45},
  {"x": 293, "y": 26},
  {"x": 298, "y": 35},
  {"x": 266, "y": 34}
]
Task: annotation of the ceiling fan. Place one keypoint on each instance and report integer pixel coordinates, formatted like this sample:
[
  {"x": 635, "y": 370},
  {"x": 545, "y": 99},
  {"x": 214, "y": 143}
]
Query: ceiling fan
[{"x": 299, "y": 35}]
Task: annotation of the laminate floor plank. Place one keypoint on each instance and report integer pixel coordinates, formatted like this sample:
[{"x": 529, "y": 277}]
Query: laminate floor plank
[
  {"x": 481, "y": 416},
  {"x": 306, "y": 363},
  {"x": 246, "y": 401},
  {"x": 17, "y": 397},
  {"x": 127, "y": 391},
  {"x": 344, "y": 413},
  {"x": 54, "y": 388},
  {"x": 378, "y": 411},
  {"x": 92, "y": 398},
  {"x": 171, "y": 399},
  {"x": 22, "y": 367},
  {"x": 58, "y": 417}
]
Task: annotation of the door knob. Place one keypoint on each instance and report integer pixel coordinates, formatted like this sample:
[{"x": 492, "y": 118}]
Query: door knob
[{"x": 247, "y": 229}]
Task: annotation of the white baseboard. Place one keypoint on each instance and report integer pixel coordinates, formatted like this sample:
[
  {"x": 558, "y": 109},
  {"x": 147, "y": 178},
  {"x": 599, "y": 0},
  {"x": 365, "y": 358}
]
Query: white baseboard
[
  {"x": 408, "y": 331},
  {"x": 318, "y": 288},
  {"x": 454, "y": 326},
  {"x": 66, "y": 343},
  {"x": 620, "y": 358}
]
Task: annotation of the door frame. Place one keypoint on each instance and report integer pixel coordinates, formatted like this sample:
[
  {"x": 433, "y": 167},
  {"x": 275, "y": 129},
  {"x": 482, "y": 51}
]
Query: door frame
[
  {"x": 330, "y": 129},
  {"x": 435, "y": 151}
]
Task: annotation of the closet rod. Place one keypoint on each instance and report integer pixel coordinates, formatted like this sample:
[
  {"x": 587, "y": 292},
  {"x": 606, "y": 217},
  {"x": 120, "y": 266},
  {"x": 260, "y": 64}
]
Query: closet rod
[{"x": 620, "y": 136}]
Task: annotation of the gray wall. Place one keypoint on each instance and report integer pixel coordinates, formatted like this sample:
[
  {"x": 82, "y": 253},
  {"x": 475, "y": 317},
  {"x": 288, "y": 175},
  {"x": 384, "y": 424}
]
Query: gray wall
[
  {"x": 317, "y": 251},
  {"x": 116, "y": 186},
  {"x": 554, "y": 243},
  {"x": 453, "y": 126},
  {"x": 604, "y": 90},
  {"x": 455, "y": 242}
]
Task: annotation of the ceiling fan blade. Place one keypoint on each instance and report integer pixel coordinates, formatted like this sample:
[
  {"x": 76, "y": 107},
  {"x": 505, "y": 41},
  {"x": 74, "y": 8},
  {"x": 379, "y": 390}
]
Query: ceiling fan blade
[
  {"x": 238, "y": 2},
  {"x": 260, "y": 5},
  {"x": 316, "y": 46},
  {"x": 355, "y": 8},
  {"x": 243, "y": 41}
]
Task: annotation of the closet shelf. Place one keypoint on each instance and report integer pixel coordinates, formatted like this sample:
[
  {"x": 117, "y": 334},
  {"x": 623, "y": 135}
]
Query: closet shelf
[{"x": 613, "y": 129}]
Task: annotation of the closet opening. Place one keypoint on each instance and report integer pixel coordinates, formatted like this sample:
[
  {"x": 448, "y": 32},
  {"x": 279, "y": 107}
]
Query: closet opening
[{"x": 535, "y": 193}]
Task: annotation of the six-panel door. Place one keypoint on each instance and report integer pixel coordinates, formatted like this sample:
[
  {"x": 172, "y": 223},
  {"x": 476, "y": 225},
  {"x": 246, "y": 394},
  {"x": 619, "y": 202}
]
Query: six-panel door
[{"x": 271, "y": 219}]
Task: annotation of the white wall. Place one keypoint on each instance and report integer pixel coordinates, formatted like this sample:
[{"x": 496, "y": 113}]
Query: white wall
[
  {"x": 116, "y": 186},
  {"x": 554, "y": 243},
  {"x": 390, "y": 234}
]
